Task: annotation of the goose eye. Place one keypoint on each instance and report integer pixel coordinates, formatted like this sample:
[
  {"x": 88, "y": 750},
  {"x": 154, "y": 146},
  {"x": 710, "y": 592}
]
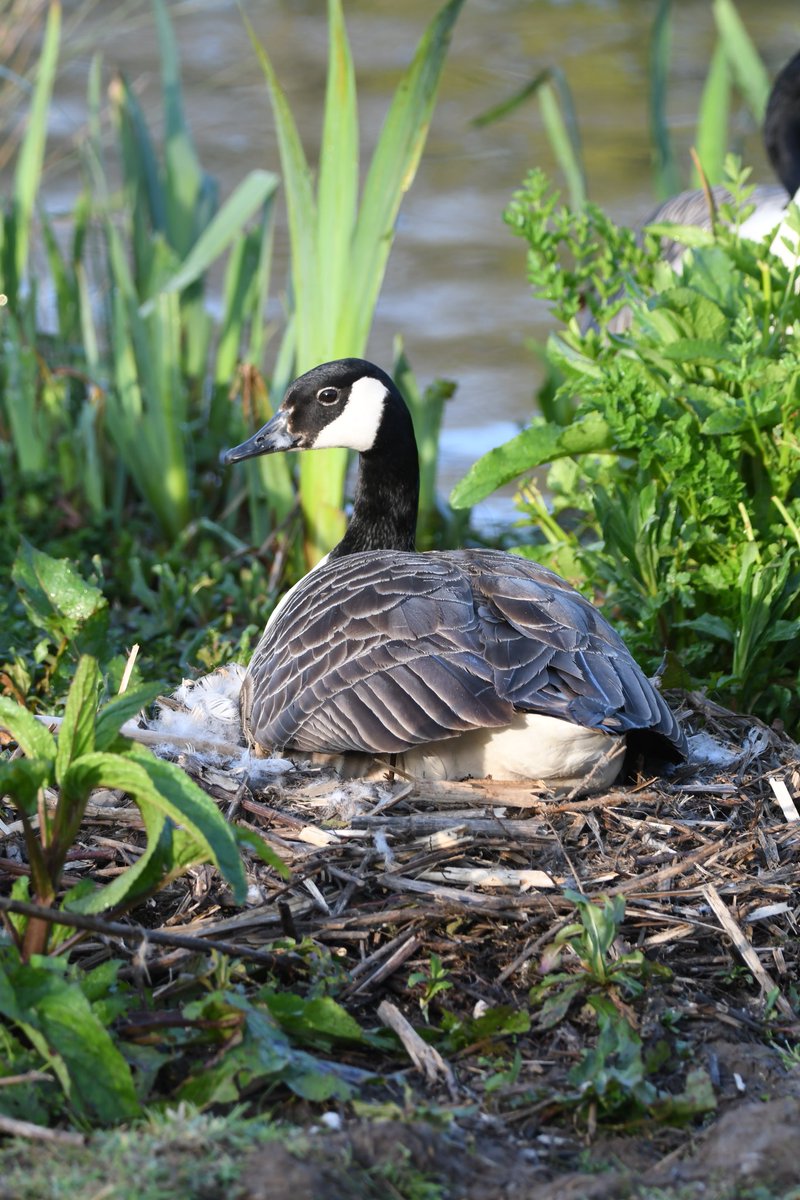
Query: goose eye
[{"x": 328, "y": 395}]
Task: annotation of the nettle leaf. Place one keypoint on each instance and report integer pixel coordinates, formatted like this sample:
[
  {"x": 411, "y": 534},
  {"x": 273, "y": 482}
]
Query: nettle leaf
[
  {"x": 314, "y": 1020},
  {"x": 57, "y": 599},
  {"x": 255, "y": 842},
  {"x": 151, "y": 782},
  {"x": 30, "y": 735},
  {"x": 143, "y": 877},
  {"x": 536, "y": 445},
  {"x": 21, "y": 780},
  {"x": 76, "y": 735},
  {"x": 58, "y": 1018},
  {"x": 113, "y": 715}
]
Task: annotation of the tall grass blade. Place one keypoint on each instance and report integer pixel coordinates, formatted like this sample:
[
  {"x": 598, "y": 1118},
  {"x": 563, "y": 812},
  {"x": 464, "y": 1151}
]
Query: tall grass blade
[
  {"x": 391, "y": 173},
  {"x": 186, "y": 184},
  {"x": 561, "y": 126},
  {"x": 711, "y": 140},
  {"x": 300, "y": 205},
  {"x": 337, "y": 193},
  {"x": 223, "y": 229},
  {"x": 667, "y": 176},
  {"x": 28, "y": 173},
  {"x": 560, "y": 122},
  {"x": 354, "y": 253},
  {"x": 745, "y": 62}
]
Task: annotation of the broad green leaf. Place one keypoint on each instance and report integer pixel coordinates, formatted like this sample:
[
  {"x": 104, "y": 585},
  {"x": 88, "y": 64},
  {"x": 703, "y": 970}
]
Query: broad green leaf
[
  {"x": 143, "y": 877},
  {"x": 534, "y": 446},
  {"x": 305, "y": 1019},
  {"x": 113, "y": 715},
  {"x": 694, "y": 350},
  {"x": 715, "y": 627},
  {"x": 30, "y": 735},
  {"x": 54, "y": 595},
  {"x": 687, "y": 235},
  {"x": 53, "y": 1008},
  {"x": 76, "y": 735},
  {"x": 149, "y": 781},
  {"x": 725, "y": 420},
  {"x": 228, "y": 224},
  {"x": 28, "y": 173},
  {"x": 21, "y": 779}
]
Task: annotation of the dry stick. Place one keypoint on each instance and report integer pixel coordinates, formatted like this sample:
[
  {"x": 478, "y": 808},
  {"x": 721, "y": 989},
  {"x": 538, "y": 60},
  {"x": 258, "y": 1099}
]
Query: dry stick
[
  {"x": 27, "y": 1129},
  {"x": 753, "y": 962},
  {"x": 426, "y": 1059},
  {"x": 280, "y": 962},
  {"x": 386, "y": 968},
  {"x": 126, "y": 674}
]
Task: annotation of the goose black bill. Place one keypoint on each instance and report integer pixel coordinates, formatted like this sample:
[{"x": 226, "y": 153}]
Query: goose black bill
[{"x": 272, "y": 437}]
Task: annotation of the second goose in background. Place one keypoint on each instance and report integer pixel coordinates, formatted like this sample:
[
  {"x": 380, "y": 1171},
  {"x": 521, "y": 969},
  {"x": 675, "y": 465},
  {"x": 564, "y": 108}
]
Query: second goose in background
[
  {"x": 782, "y": 144},
  {"x": 461, "y": 662}
]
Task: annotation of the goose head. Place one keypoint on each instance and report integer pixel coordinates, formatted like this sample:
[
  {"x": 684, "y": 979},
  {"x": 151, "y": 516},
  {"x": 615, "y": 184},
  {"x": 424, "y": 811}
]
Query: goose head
[
  {"x": 349, "y": 403},
  {"x": 354, "y": 405}
]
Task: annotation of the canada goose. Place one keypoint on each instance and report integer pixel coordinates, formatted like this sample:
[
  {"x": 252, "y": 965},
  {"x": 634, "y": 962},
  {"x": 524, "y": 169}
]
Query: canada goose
[
  {"x": 462, "y": 662},
  {"x": 782, "y": 143}
]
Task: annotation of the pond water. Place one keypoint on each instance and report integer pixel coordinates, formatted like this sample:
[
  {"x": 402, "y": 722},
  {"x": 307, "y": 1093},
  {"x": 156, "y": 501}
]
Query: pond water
[{"x": 455, "y": 289}]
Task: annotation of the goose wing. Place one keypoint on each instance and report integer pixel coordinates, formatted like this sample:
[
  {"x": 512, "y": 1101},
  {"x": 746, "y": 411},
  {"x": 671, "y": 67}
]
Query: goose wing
[
  {"x": 372, "y": 652},
  {"x": 380, "y": 652},
  {"x": 551, "y": 651}
]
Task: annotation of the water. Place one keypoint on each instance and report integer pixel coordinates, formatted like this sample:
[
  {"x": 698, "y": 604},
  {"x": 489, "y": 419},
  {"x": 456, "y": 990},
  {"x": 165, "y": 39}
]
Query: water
[{"x": 455, "y": 288}]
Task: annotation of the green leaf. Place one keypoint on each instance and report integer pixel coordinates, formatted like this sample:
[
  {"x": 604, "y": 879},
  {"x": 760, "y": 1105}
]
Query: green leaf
[
  {"x": 144, "y": 877},
  {"x": 56, "y": 598},
  {"x": 337, "y": 191},
  {"x": 534, "y": 446},
  {"x": 52, "y": 1010},
  {"x": 113, "y": 715},
  {"x": 185, "y": 181},
  {"x": 28, "y": 173},
  {"x": 711, "y": 140},
  {"x": 30, "y": 735},
  {"x": 149, "y": 781},
  {"x": 725, "y": 421},
  {"x": 226, "y": 225},
  {"x": 667, "y": 175},
  {"x": 21, "y": 779},
  {"x": 76, "y": 735},
  {"x": 749, "y": 70},
  {"x": 255, "y": 842}
]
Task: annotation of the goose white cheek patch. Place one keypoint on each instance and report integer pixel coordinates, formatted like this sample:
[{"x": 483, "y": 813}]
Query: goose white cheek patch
[{"x": 357, "y": 427}]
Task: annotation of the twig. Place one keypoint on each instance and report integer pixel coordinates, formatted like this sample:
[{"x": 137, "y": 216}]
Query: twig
[
  {"x": 426, "y": 1059},
  {"x": 159, "y": 937},
  {"x": 751, "y": 959},
  {"x": 126, "y": 674},
  {"x": 16, "y": 1128}
]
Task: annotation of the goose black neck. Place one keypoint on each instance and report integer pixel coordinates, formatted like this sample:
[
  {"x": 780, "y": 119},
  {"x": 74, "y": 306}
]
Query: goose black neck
[
  {"x": 782, "y": 126},
  {"x": 387, "y": 490}
]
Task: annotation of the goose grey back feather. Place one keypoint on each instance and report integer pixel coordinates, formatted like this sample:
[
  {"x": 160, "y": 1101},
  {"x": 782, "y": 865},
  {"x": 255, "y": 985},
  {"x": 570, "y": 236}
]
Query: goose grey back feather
[{"x": 380, "y": 652}]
